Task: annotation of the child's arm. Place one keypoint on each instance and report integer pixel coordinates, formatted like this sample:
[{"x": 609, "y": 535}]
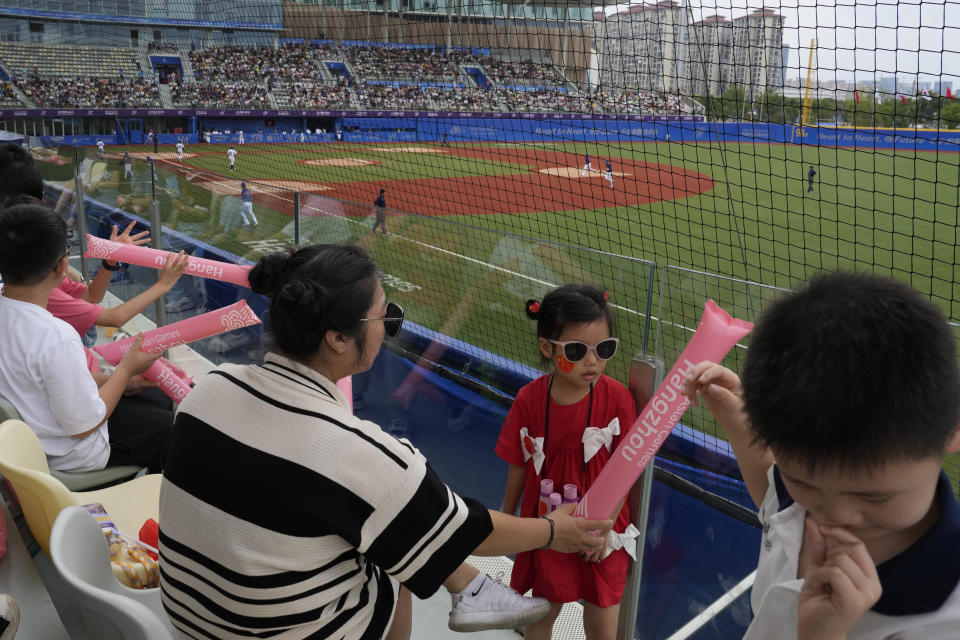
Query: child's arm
[
  {"x": 720, "y": 389},
  {"x": 516, "y": 476},
  {"x": 122, "y": 313},
  {"x": 98, "y": 286}
]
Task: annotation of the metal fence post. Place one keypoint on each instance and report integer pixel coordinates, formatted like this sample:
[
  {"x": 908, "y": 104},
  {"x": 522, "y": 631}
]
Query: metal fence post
[
  {"x": 296, "y": 219},
  {"x": 646, "y": 373},
  {"x": 81, "y": 222},
  {"x": 156, "y": 237}
]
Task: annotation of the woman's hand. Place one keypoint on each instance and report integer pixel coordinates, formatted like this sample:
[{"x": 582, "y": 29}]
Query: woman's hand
[{"x": 577, "y": 535}]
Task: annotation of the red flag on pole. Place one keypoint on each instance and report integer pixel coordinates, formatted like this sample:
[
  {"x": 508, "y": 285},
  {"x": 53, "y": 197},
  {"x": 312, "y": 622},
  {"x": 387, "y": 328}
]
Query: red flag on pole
[
  {"x": 903, "y": 98},
  {"x": 856, "y": 95},
  {"x": 949, "y": 93}
]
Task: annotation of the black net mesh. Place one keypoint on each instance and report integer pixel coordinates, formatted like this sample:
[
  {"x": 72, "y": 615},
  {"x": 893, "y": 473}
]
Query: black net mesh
[{"x": 667, "y": 152}]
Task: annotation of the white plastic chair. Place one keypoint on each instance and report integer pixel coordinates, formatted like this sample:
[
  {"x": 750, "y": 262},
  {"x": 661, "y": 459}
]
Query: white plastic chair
[{"x": 110, "y": 610}]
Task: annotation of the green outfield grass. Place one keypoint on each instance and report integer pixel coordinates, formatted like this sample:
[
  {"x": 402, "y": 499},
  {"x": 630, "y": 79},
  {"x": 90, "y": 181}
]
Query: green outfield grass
[{"x": 892, "y": 212}]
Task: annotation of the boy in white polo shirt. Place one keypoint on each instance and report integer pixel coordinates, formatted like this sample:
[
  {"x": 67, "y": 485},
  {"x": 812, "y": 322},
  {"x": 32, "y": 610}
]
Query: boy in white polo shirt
[
  {"x": 850, "y": 400},
  {"x": 43, "y": 369}
]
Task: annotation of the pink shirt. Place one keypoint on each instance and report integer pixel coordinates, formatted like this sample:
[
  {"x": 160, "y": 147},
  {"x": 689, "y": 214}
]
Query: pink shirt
[{"x": 66, "y": 303}]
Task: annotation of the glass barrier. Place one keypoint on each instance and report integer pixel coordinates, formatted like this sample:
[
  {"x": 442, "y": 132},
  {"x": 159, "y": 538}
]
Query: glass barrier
[{"x": 702, "y": 533}]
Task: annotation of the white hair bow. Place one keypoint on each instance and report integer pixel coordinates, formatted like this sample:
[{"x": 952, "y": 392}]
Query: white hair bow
[
  {"x": 622, "y": 541},
  {"x": 594, "y": 438},
  {"x": 532, "y": 448}
]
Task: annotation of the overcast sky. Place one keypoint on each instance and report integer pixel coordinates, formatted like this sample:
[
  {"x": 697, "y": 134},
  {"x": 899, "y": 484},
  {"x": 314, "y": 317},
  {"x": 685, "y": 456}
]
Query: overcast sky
[{"x": 857, "y": 39}]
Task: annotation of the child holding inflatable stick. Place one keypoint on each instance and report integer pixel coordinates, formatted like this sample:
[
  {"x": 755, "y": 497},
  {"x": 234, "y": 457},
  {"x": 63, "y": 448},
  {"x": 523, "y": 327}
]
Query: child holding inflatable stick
[
  {"x": 562, "y": 428},
  {"x": 234, "y": 316},
  {"x": 147, "y": 257},
  {"x": 850, "y": 400}
]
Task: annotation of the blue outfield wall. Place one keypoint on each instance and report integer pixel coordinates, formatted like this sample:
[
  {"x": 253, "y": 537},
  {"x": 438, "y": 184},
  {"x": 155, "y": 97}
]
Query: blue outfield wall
[{"x": 400, "y": 126}]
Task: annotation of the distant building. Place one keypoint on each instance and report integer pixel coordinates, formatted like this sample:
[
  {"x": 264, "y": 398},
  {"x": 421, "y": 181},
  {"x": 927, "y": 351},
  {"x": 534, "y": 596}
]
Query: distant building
[
  {"x": 639, "y": 47},
  {"x": 758, "y": 51},
  {"x": 709, "y": 52}
]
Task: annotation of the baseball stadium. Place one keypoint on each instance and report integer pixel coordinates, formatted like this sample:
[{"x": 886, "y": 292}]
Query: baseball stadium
[{"x": 481, "y": 154}]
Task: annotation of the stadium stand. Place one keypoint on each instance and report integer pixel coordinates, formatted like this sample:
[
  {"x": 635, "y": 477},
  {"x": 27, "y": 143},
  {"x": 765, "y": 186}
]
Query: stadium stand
[
  {"x": 305, "y": 95},
  {"x": 65, "y": 92},
  {"x": 24, "y": 60},
  {"x": 8, "y": 97},
  {"x": 225, "y": 95},
  {"x": 297, "y": 75},
  {"x": 402, "y": 65}
]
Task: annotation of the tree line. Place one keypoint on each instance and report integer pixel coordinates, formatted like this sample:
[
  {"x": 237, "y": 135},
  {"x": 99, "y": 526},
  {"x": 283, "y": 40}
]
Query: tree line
[{"x": 934, "y": 112}]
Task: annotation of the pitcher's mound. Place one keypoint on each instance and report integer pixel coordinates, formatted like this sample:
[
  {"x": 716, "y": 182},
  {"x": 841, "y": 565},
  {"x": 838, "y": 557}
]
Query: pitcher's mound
[
  {"x": 573, "y": 172},
  {"x": 336, "y": 162}
]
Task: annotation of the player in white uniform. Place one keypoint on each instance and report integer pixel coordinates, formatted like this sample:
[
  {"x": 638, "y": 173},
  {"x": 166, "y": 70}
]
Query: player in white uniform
[
  {"x": 179, "y": 151},
  {"x": 608, "y": 174},
  {"x": 99, "y": 147},
  {"x": 232, "y": 157},
  {"x": 587, "y": 165},
  {"x": 303, "y": 137},
  {"x": 241, "y": 136}
]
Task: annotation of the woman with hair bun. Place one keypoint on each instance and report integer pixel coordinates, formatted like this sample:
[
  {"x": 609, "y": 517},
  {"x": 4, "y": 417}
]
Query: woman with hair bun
[{"x": 283, "y": 514}]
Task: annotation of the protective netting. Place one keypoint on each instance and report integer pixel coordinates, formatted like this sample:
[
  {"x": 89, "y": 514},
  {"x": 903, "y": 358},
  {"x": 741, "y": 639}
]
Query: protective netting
[
  {"x": 666, "y": 152},
  {"x": 520, "y": 146}
]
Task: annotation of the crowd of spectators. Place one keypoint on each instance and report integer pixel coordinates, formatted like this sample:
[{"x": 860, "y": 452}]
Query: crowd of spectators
[
  {"x": 245, "y": 77},
  {"x": 7, "y": 95},
  {"x": 290, "y": 62},
  {"x": 68, "y": 92},
  {"x": 224, "y": 95},
  {"x": 385, "y": 63},
  {"x": 410, "y": 97},
  {"x": 303, "y": 95},
  {"x": 528, "y": 73}
]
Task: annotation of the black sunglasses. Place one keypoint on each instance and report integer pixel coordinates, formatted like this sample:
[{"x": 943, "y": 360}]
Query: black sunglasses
[
  {"x": 575, "y": 351},
  {"x": 65, "y": 255},
  {"x": 392, "y": 319}
]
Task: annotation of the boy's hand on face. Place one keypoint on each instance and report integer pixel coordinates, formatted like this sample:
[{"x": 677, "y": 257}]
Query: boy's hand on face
[
  {"x": 720, "y": 389},
  {"x": 839, "y": 586}
]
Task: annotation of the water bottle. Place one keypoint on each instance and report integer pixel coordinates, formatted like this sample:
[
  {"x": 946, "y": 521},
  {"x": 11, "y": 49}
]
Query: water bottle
[
  {"x": 555, "y": 501},
  {"x": 570, "y": 494},
  {"x": 546, "y": 488}
]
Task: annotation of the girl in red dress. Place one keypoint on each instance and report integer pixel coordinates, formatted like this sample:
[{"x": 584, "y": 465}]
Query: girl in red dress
[{"x": 563, "y": 427}]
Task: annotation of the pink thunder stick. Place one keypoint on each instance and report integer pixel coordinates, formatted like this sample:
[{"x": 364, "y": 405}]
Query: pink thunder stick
[
  {"x": 147, "y": 257},
  {"x": 175, "y": 387},
  {"x": 231, "y": 317},
  {"x": 713, "y": 339}
]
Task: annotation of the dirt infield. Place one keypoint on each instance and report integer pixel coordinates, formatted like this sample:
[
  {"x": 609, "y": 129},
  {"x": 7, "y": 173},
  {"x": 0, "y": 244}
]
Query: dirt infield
[
  {"x": 162, "y": 155},
  {"x": 574, "y": 173},
  {"x": 276, "y": 188},
  {"x": 337, "y": 162},
  {"x": 409, "y": 149},
  {"x": 546, "y": 185}
]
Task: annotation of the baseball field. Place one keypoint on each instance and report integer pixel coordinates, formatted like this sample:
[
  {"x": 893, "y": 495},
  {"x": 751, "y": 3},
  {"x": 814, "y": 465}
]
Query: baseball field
[{"x": 476, "y": 229}]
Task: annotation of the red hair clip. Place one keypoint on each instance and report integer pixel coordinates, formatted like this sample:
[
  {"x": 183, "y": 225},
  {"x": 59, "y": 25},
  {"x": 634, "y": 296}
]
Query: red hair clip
[
  {"x": 606, "y": 296},
  {"x": 534, "y": 307}
]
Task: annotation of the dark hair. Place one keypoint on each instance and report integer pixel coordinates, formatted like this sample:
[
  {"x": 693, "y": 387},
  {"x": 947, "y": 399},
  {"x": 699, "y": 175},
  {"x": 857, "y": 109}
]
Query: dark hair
[
  {"x": 853, "y": 371},
  {"x": 314, "y": 290},
  {"x": 32, "y": 242},
  {"x": 20, "y": 178},
  {"x": 11, "y": 152},
  {"x": 566, "y": 305}
]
